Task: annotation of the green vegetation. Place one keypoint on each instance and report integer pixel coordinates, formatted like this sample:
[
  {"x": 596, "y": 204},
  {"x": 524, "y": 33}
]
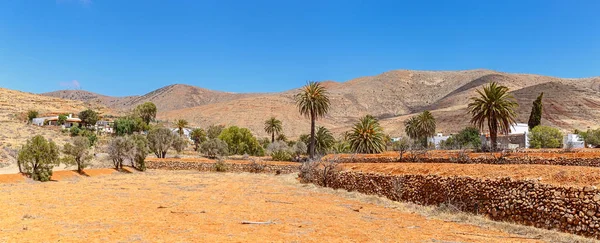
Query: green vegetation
[
  {"x": 213, "y": 131},
  {"x": 590, "y": 137},
  {"x": 31, "y": 115},
  {"x": 180, "y": 125},
  {"x": 180, "y": 143},
  {"x": 535, "y": 118},
  {"x": 367, "y": 136},
  {"x": 88, "y": 117},
  {"x": 401, "y": 146},
  {"x": 141, "y": 150},
  {"x": 221, "y": 165},
  {"x": 37, "y": 158},
  {"x": 241, "y": 141},
  {"x": 160, "y": 140},
  {"x": 198, "y": 135},
  {"x": 128, "y": 125},
  {"x": 420, "y": 127},
  {"x": 300, "y": 148},
  {"x": 466, "y": 138},
  {"x": 78, "y": 153},
  {"x": 280, "y": 151},
  {"x": 545, "y": 137},
  {"x": 495, "y": 107},
  {"x": 120, "y": 149},
  {"x": 273, "y": 126},
  {"x": 62, "y": 119},
  {"x": 214, "y": 148},
  {"x": 313, "y": 102},
  {"x": 146, "y": 111},
  {"x": 324, "y": 140}
]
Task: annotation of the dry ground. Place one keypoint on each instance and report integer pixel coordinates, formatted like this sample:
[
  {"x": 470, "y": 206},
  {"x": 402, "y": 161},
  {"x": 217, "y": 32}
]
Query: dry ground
[{"x": 187, "y": 206}]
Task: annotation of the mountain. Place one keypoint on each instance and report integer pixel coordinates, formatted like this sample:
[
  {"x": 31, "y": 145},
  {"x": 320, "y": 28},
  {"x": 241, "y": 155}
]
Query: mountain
[{"x": 391, "y": 96}]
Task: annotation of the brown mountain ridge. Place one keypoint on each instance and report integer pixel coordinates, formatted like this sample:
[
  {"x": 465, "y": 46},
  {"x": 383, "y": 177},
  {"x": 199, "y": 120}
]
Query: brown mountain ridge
[{"x": 392, "y": 96}]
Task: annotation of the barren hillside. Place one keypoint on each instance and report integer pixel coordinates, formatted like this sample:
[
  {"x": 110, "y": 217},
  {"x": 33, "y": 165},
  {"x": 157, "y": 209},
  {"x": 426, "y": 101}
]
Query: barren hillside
[{"x": 392, "y": 96}]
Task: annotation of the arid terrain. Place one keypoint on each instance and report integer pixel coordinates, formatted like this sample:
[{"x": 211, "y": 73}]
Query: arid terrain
[
  {"x": 392, "y": 96},
  {"x": 186, "y": 206}
]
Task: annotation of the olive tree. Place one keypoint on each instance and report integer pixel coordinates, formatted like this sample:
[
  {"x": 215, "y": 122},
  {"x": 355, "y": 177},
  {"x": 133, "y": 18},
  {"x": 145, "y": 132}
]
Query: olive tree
[
  {"x": 37, "y": 158},
  {"x": 140, "y": 152},
  {"x": 213, "y": 148},
  {"x": 179, "y": 144},
  {"x": 78, "y": 153},
  {"x": 88, "y": 117},
  {"x": 146, "y": 111},
  {"x": 160, "y": 140},
  {"x": 121, "y": 149}
]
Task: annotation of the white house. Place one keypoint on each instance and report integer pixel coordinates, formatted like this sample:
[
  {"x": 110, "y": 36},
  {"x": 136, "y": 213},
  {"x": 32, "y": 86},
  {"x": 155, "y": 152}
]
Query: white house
[
  {"x": 53, "y": 121},
  {"x": 573, "y": 139},
  {"x": 521, "y": 128},
  {"x": 186, "y": 132},
  {"x": 437, "y": 140}
]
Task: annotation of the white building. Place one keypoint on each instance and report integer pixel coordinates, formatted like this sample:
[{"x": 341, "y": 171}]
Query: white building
[
  {"x": 186, "y": 132},
  {"x": 53, "y": 121},
  {"x": 573, "y": 139},
  {"x": 437, "y": 140},
  {"x": 521, "y": 128}
]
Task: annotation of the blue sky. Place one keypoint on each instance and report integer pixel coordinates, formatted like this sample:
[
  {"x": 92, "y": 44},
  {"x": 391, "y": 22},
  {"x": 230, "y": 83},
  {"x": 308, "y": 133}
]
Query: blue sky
[{"x": 119, "y": 47}]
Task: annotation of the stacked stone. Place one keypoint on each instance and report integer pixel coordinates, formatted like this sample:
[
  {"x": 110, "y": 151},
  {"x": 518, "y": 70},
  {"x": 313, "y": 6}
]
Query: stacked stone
[
  {"x": 232, "y": 167},
  {"x": 591, "y": 162},
  {"x": 572, "y": 210}
]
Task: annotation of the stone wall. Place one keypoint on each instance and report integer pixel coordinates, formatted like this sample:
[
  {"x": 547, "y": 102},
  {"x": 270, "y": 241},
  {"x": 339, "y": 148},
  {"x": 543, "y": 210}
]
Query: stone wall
[
  {"x": 173, "y": 164},
  {"x": 524, "y": 159},
  {"x": 572, "y": 210}
]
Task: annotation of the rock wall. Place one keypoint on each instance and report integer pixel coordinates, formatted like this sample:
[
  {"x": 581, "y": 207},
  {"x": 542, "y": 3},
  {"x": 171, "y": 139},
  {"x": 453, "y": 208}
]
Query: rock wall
[
  {"x": 572, "y": 210},
  {"x": 232, "y": 167},
  {"x": 525, "y": 159}
]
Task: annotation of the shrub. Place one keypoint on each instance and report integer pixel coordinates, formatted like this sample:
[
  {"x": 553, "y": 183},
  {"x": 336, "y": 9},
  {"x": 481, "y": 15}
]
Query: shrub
[
  {"x": 120, "y": 149},
  {"x": 401, "y": 146},
  {"x": 256, "y": 166},
  {"x": 300, "y": 148},
  {"x": 129, "y": 125},
  {"x": 280, "y": 151},
  {"x": 545, "y": 137},
  {"x": 468, "y": 138},
  {"x": 214, "y": 131},
  {"x": 88, "y": 117},
  {"x": 62, "y": 119},
  {"x": 241, "y": 141},
  {"x": 221, "y": 165},
  {"x": 31, "y": 115},
  {"x": 213, "y": 148},
  {"x": 590, "y": 137},
  {"x": 37, "y": 158},
  {"x": 78, "y": 153},
  {"x": 140, "y": 151},
  {"x": 91, "y": 136},
  {"x": 160, "y": 140},
  {"x": 179, "y": 144},
  {"x": 75, "y": 131}
]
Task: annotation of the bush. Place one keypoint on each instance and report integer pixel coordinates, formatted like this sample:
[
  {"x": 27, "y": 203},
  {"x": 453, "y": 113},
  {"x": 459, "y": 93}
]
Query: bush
[
  {"x": 591, "y": 137},
  {"x": 221, "y": 165},
  {"x": 280, "y": 151},
  {"x": 140, "y": 152},
  {"x": 75, "y": 131},
  {"x": 37, "y": 158},
  {"x": 214, "y": 131},
  {"x": 179, "y": 144},
  {"x": 91, "y": 136},
  {"x": 120, "y": 149},
  {"x": 545, "y": 137},
  {"x": 88, "y": 117},
  {"x": 300, "y": 148},
  {"x": 213, "y": 148},
  {"x": 241, "y": 141},
  {"x": 78, "y": 153},
  {"x": 401, "y": 146},
  {"x": 256, "y": 166},
  {"x": 160, "y": 140},
  {"x": 129, "y": 125},
  {"x": 31, "y": 115}
]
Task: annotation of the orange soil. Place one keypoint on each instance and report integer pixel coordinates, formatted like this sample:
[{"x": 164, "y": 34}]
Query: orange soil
[
  {"x": 231, "y": 161},
  {"x": 57, "y": 175},
  {"x": 576, "y": 176},
  {"x": 185, "y": 206}
]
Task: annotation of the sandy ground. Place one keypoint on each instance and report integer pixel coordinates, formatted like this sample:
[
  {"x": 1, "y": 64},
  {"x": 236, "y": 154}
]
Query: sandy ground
[
  {"x": 576, "y": 176},
  {"x": 187, "y": 206}
]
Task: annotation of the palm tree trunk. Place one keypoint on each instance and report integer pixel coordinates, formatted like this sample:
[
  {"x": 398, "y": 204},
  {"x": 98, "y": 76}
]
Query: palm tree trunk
[
  {"x": 494, "y": 138},
  {"x": 272, "y": 137},
  {"x": 311, "y": 148}
]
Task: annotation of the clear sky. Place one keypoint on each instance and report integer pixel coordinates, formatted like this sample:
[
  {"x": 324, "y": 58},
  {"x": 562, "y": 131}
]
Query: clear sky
[{"x": 127, "y": 47}]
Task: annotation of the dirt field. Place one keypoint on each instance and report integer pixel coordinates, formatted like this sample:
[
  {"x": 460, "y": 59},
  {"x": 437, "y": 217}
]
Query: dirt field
[{"x": 186, "y": 206}]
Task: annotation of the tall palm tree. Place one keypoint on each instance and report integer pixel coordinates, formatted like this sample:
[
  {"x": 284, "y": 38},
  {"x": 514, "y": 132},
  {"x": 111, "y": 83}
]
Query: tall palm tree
[
  {"x": 313, "y": 102},
  {"x": 273, "y": 126},
  {"x": 496, "y": 106},
  {"x": 181, "y": 124},
  {"x": 420, "y": 127},
  {"x": 367, "y": 136},
  {"x": 324, "y": 140}
]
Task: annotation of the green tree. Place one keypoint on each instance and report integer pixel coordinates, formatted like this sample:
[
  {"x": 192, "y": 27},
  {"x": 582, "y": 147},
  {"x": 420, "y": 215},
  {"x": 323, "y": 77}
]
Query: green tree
[
  {"x": 313, "y": 102},
  {"x": 545, "y": 137},
  {"x": 31, "y": 115},
  {"x": 160, "y": 140},
  {"x": 140, "y": 151},
  {"x": 535, "y": 118},
  {"x": 324, "y": 140},
  {"x": 367, "y": 136},
  {"x": 420, "y": 127},
  {"x": 88, "y": 117},
  {"x": 198, "y": 136},
  {"x": 590, "y": 137},
  {"x": 401, "y": 146},
  {"x": 180, "y": 125},
  {"x": 146, "y": 111},
  {"x": 273, "y": 126},
  {"x": 467, "y": 138},
  {"x": 241, "y": 141},
  {"x": 179, "y": 144},
  {"x": 37, "y": 158},
  {"x": 213, "y": 148},
  {"x": 128, "y": 125},
  {"x": 120, "y": 149},
  {"x": 213, "y": 131},
  {"x": 495, "y": 107},
  {"x": 78, "y": 153},
  {"x": 62, "y": 119}
]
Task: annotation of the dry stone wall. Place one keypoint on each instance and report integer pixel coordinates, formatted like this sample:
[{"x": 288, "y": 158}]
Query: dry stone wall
[
  {"x": 232, "y": 167},
  {"x": 572, "y": 210},
  {"x": 525, "y": 159}
]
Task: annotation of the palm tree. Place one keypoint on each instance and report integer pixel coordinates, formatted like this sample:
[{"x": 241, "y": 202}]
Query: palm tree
[
  {"x": 312, "y": 101},
  {"x": 495, "y": 105},
  {"x": 273, "y": 126},
  {"x": 324, "y": 140},
  {"x": 367, "y": 136},
  {"x": 198, "y": 135},
  {"x": 181, "y": 124},
  {"x": 420, "y": 127}
]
